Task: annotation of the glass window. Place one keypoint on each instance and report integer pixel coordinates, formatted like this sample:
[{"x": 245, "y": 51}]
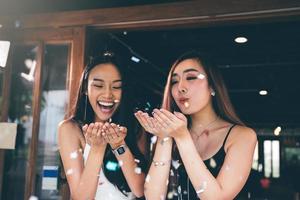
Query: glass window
[
  {"x": 272, "y": 158},
  {"x": 53, "y": 105},
  {"x": 20, "y": 112},
  {"x": 275, "y": 159},
  {"x": 267, "y": 158}
]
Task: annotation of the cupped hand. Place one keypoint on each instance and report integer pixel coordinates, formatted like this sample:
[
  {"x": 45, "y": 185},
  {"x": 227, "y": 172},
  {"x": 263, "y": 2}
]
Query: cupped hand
[
  {"x": 114, "y": 134},
  {"x": 92, "y": 134}
]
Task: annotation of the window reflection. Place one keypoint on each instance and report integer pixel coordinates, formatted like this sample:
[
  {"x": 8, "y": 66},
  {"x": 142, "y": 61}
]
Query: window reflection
[
  {"x": 20, "y": 112},
  {"x": 54, "y": 100}
]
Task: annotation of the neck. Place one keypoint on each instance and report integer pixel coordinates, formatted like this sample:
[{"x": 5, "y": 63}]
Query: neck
[{"x": 204, "y": 117}]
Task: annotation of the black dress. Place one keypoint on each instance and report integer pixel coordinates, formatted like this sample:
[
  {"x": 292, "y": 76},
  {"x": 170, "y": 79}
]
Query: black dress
[{"x": 180, "y": 184}]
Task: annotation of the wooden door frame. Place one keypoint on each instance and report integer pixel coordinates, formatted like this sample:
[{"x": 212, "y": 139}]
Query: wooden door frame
[{"x": 76, "y": 38}]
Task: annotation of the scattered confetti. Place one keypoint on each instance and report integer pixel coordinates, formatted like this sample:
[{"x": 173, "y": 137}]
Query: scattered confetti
[
  {"x": 153, "y": 139},
  {"x": 138, "y": 170},
  {"x": 148, "y": 178},
  {"x": 69, "y": 172},
  {"x": 175, "y": 164},
  {"x": 201, "y": 76},
  {"x": 186, "y": 104}
]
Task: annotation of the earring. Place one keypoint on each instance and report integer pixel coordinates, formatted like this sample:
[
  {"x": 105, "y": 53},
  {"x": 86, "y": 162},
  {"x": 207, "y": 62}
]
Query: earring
[{"x": 213, "y": 93}]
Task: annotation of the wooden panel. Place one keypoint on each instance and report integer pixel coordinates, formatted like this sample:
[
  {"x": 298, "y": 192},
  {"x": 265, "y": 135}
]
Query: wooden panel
[
  {"x": 160, "y": 15},
  {"x": 45, "y": 34},
  {"x": 77, "y": 64},
  {"x": 30, "y": 173}
]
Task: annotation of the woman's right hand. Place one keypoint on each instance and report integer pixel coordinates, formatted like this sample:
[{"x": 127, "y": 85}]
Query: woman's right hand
[
  {"x": 92, "y": 133},
  {"x": 149, "y": 124}
]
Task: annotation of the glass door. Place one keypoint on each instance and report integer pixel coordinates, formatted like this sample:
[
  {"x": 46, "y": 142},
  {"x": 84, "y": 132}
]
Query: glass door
[
  {"x": 53, "y": 109},
  {"x": 44, "y": 73},
  {"x": 23, "y": 68}
]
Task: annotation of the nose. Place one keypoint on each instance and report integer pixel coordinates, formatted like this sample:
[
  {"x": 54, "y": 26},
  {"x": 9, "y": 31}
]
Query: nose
[
  {"x": 182, "y": 87},
  {"x": 108, "y": 93}
]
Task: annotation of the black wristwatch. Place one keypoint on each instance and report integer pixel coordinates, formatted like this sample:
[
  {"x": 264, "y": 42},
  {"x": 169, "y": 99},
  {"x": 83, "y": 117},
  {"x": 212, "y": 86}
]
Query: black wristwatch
[{"x": 120, "y": 149}]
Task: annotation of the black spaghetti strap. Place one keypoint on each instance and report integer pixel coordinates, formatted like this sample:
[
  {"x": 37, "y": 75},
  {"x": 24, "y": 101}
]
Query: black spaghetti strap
[{"x": 228, "y": 134}]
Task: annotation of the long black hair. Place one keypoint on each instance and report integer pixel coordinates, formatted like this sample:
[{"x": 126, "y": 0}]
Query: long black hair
[{"x": 83, "y": 114}]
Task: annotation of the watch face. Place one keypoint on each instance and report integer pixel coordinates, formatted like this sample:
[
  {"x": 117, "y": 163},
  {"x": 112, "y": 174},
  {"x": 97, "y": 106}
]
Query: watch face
[{"x": 120, "y": 150}]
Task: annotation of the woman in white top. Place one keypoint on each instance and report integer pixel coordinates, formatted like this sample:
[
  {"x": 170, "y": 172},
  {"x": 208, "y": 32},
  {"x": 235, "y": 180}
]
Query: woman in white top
[{"x": 101, "y": 158}]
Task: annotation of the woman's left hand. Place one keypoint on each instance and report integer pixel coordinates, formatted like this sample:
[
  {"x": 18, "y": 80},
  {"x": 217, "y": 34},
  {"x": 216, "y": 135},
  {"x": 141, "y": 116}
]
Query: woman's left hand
[
  {"x": 114, "y": 134},
  {"x": 173, "y": 125}
]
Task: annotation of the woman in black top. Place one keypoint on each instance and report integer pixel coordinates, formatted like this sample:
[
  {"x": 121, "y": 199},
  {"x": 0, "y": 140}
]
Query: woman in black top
[{"x": 212, "y": 149}]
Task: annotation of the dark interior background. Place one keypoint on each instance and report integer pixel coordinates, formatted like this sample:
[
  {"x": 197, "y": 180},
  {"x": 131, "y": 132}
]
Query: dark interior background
[{"x": 270, "y": 60}]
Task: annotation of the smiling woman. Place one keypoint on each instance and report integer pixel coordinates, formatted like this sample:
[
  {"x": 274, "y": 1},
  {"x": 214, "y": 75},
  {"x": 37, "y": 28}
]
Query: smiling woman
[{"x": 97, "y": 145}]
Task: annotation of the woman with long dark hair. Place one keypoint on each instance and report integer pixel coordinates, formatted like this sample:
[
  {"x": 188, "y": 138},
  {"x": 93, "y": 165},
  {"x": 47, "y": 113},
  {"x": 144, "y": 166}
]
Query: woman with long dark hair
[
  {"x": 212, "y": 149},
  {"x": 99, "y": 143}
]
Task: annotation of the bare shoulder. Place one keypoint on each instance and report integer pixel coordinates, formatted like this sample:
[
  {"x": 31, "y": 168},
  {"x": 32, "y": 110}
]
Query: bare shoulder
[
  {"x": 242, "y": 135},
  {"x": 69, "y": 130}
]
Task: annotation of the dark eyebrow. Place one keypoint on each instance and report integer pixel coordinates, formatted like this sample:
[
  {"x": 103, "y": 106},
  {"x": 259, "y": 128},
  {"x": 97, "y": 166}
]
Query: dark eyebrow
[
  {"x": 97, "y": 79},
  {"x": 185, "y": 71},
  {"x": 117, "y": 81},
  {"x": 190, "y": 70},
  {"x": 101, "y": 80}
]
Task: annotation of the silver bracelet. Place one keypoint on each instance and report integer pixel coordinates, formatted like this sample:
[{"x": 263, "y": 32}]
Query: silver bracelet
[
  {"x": 160, "y": 163},
  {"x": 165, "y": 139}
]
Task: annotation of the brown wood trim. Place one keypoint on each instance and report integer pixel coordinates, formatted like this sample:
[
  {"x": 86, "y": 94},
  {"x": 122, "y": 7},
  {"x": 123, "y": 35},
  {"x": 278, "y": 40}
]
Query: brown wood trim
[
  {"x": 5, "y": 107},
  {"x": 36, "y": 108},
  {"x": 47, "y": 35},
  {"x": 160, "y": 15},
  {"x": 77, "y": 65}
]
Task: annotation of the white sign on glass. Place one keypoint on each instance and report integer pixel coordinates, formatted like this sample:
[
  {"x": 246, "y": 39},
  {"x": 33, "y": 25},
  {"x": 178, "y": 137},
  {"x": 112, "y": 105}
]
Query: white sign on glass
[{"x": 4, "y": 49}]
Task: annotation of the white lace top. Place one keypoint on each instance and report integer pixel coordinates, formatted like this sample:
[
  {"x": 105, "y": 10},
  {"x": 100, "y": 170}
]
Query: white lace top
[{"x": 106, "y": 190}]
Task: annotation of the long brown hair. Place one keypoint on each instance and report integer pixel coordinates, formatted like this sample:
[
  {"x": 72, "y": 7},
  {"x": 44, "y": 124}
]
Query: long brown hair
[{"x": 221, "y": 101}]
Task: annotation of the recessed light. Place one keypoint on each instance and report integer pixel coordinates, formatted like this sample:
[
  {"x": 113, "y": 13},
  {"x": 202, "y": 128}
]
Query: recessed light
[
  {"x": 241, "y": 40},
  {"x": 1, "y": 25},
  {"x": 277, "y": 130},
  {"x": 263, "y": 92},
  {"x": 135, "y": 59}
]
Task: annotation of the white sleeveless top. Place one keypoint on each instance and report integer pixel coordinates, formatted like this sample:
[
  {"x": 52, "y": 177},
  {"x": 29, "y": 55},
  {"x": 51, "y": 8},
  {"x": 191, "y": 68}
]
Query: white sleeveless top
[{"x": 106, "y": 190}]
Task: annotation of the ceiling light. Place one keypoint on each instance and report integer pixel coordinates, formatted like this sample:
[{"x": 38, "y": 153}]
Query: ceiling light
[
  {"x": 263, "y": 92},
  {"x": 241, "y": 40},
  {"x": 135, "y": 59},
  {"x": 1, "y": 25},
  {"x": 277, "y": 130}
]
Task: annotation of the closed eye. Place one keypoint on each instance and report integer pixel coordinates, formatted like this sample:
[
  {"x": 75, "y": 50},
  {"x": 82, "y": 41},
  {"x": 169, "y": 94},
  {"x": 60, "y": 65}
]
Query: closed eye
[
  {"x": 117, "y": 87},
  {"x": 191, "y": 78},
  {"x": 173, "y": 82},
  {"x": 98, "y": 86}
]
